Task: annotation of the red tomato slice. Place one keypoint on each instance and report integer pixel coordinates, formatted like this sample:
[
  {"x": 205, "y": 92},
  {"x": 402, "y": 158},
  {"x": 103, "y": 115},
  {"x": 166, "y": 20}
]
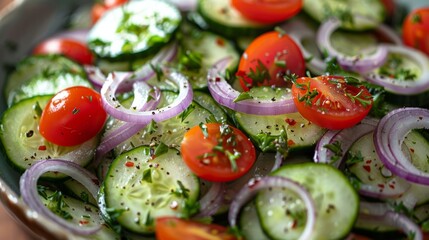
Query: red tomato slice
[
  {"x": 73, "y": 116},
  {"x": 330, "y": 102},
  {"x": 268, "y": 11},
  {"x": 68, "y": 47},
  {"x": 217, "y": 153},
  {"x": 99, "y": 9},
  {"x": 267, "y": 59},
  {"x": 173, "y": 228},
  {"x": 415, "y": 30}
]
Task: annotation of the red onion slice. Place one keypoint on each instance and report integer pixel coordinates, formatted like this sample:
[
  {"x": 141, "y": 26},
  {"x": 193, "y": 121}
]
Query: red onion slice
[
  {"x": 80, "y": 35},
  {"x": 252, "y": 188},
  {"x": 361, "y": 64},
  {"x": 404, "y": 87},
  {"x": 345, "y": 137},
  {"x": 389, "y": 136},
  {"x": 30, "y": 195},
  {"x": 225, "y": 95},
  {"x": 116, "y": 110},
  {"x": 211, "y": 202}
]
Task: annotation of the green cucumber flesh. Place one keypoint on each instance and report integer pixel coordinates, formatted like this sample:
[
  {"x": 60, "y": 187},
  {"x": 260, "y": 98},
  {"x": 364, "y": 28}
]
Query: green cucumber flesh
[
  {"x": 24, "y": 144},
  {"x": 321, "y": 10},
  {"x": 38, "y": 65},
  {"x": 142, "y": 187},
  {"x": 337, "y": 203},
  {"x": 249, "y": 223},
  {"x": 137, "y": 29}
]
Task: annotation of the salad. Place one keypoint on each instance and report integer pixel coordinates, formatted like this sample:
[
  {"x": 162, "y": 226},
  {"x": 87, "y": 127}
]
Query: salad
[{"x": 219, "y": 119}]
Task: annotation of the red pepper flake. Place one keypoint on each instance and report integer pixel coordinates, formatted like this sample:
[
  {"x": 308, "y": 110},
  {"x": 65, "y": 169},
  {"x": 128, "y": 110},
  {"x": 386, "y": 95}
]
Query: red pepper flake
[
  {"x": 392, "y": 186},
  {"x": 412, "y": 150},
  {"x": 368, "y": 161},
  {"x": 83, "y": 222},
  {"x": 290, "y": 121},
  {"x": 367, "y": 168},
  {"x": 220, "y": 42},
  {"x": 290, "y": 142},
  {"x": 42, "y": 148},
  {"x": 129, "y": 164},
  {"x": 381, "y": 185},
  {"x": 294, "y": 224}
]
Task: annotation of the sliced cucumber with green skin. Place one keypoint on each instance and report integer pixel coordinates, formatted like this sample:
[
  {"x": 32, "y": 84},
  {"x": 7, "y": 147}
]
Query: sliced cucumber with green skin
[
  {"x": 321, "y": 10},
  {"x": 143, "y": 187},
  {"x": 206, "y": 101},
  {"x": 38, "y": 65},
  {"x": 170, "y": 131},
  {"x": 75, "y": 189},
  {"x": 337, "y": 203},
  {"x": 249, "y": 223},
  {"x": 137, "y": 29},
  {"x": 46, "y": 84},
  {"x": 77, "y": 212},
  {"x": 24, "y": 144},
  {"x": 352, "y": 43},
  {"x": 200, "y": 50},
  {"x": 223, "y": 19}
]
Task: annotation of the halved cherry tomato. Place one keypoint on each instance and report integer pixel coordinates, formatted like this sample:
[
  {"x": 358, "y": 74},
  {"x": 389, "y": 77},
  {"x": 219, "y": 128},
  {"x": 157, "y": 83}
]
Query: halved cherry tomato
[
  {"x": 173, "y": 228},
  {"x": 330, "y": 102},
  {"x": 217, "y": 152},
  {"x": 73, "y": 116},
  {"x": 268, "y": 11},
  {"x": 267, "y": 59},
  {"x": 70, "y": 48},
  {"x": 415, "y": 29},
  {"x": 99, "y": 9}
]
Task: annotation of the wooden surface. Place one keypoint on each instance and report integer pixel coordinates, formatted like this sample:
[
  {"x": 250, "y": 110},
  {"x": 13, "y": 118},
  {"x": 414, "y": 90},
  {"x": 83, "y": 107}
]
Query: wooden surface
[{"x": 9, "y": 229}]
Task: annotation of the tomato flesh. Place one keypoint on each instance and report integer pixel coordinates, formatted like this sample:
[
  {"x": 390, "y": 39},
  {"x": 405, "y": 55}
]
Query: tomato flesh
[
  {"x": 73, "y": 116},
  {"x": 218, "y": 153},
  {"x": 268, "y": 59},
  {"x": 268, "y": 11},
  {"x": 330, "y": 102},
  {"x": 173, "y": 228},
  {"x": 70, "y": 48},
  {"x": 415, "y": 29}
]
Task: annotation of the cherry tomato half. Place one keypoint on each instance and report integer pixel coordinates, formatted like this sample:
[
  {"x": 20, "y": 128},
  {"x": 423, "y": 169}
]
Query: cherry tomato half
[
  {"x": 268, "y": 11},
  {"x": 73, "y": 116},
  {"x": 415, "y": 29},
  {"x": 217, "y": 152},
  {"x": 99, "y": 9},
  {"x": 173, "y": 228},
  {"x": 70, "y": 48},
  {"x": 267, "y": 59},
  {"x": 330, "y": 102}
]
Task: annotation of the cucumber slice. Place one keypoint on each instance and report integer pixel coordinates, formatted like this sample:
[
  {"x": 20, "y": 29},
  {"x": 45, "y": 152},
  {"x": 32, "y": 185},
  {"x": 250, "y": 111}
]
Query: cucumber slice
[
  {"x": 223, "y": 19},
  {"x": 249, "y": 223},
  {"x": 200, "y": 50},
  {"x": 144, "y": 187},
  {"x": 38, "y": 65},
  {"x": 77, "y": 212},
  {"x": 337, "y": 203},
  {"x": 46, "y": 84},
  {"x": 323, "y": 9},
  {"x": 24, "y": 145},
  {"x": 137, "y": 29},
  {"x": 206, "y": 101},
  {"x": 169, "y": 132}
]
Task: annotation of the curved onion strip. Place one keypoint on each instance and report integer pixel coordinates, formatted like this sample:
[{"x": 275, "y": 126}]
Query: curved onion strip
[
  {"x": 30, "y": 195},
  {"x": 299, "y": 31},
  {"x": 114, "y": 137},
  {"x": 278, "y": 161},
  {"x": 116, "y": 110},
  {"x": 247, "y": 192},
  {"x": 225, "y": 95},
  {"x": 404, "y": 87},
  {"x": 345, "y": 137},
  {"x": 359, "y": 64},
  {"x": 144, "y": 73},
  {"x": 389, "y": 34},
  {"x": 185, "y": 5},
  {"x": 212, "y": 200},
  {"x": 389, "y": 136}
]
